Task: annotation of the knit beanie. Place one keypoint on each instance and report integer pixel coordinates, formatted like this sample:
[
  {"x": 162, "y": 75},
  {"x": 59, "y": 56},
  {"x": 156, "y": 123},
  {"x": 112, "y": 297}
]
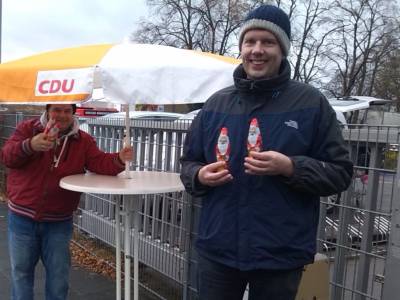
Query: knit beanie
[{"x": 270, "y": 18}]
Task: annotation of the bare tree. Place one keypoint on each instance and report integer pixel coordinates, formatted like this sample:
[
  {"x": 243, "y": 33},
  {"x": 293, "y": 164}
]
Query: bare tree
[
  {"x": 310, "y": 30},
  {"x": 177, "y": 24},
  {"x": 347, "y": 42},
  {"x": 208, "y": 25},
  {"x": 309, "y": 40},
  {"x": 363, "y": 28},
  {"x": 222, "y": 19},
  {"x": 387, "y": 79}
]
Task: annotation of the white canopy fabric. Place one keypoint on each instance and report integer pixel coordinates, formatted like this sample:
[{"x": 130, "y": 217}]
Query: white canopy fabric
[{"x": 127, "y": 74}]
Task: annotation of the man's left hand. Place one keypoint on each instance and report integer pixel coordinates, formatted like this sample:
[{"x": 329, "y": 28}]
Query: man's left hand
[{"x": 268, "y": 163}]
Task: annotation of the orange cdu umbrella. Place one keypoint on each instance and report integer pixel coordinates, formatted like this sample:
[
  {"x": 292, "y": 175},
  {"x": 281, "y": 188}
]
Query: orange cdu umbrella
[{"x": 127, "y": 73}]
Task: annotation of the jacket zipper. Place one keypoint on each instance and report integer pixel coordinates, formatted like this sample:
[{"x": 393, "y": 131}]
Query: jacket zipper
[{"x": 41, "y": 205}]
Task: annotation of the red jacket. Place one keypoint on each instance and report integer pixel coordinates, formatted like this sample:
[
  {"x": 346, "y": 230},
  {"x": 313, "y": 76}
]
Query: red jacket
[{"x": 33, "y": 181}]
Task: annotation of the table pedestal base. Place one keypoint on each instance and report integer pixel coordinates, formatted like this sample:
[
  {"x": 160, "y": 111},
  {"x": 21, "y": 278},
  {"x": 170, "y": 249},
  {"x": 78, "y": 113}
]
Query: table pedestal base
[{"x": 127, "y": 212}]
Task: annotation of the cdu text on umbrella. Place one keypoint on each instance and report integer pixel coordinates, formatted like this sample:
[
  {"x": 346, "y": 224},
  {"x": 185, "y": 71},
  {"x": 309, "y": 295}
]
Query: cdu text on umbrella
[{"x": 56, "y": 86}]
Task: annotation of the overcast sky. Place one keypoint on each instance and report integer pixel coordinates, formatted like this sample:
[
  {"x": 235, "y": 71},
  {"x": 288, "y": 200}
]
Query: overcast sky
[{"x": 32, "y": 26}]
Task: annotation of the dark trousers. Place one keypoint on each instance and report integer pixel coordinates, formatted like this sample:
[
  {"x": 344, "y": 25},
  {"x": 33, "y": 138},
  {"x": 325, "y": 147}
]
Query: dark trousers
[{"x": 219, "y": 282}]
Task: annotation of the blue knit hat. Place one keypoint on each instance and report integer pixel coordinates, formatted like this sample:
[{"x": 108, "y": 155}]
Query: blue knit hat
[{"x": 270, "y": 18}]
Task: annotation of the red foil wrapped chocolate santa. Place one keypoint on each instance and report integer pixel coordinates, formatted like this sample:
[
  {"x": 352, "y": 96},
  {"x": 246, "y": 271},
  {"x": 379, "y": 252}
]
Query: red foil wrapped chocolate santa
[
  {"x": 254, "y": 141},
  {"x": 223, "y": 147},
  {"x": 52, "y": 129}
]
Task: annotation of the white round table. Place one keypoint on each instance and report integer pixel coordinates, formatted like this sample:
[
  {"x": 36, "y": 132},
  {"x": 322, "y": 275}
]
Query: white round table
[{"x": 139, "y": 183}]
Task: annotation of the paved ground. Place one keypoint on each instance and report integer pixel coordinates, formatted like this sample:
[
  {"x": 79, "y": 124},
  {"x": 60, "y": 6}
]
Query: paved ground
[{"x": 83, "y": 284}]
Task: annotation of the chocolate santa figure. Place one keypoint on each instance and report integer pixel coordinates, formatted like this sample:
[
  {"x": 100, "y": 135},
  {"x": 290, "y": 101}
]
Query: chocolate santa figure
[
  {"x": 254, "y": 141},
  {"x": 223, "y": 148},
  {"x": 52, "y": 129}
]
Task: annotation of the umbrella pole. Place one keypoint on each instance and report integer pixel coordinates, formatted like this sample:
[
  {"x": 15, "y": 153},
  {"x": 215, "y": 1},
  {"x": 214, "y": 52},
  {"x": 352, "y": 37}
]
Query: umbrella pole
[
  {"x": 128, "y": 231},
  {"x": 127, "y": 140}
]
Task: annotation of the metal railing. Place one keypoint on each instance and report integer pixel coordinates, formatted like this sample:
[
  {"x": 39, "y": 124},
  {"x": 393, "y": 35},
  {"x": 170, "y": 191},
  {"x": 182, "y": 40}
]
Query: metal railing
[
  {"x": 355, "y": 229},
  {"x": 359, "y": 229}
]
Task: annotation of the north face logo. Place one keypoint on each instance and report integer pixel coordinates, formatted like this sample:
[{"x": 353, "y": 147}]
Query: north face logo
[{"x": 292, "y": 123}]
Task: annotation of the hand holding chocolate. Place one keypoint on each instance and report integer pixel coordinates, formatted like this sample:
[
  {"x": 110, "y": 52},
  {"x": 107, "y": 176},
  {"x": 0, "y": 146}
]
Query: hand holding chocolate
[{"x": 52, "y": 129}]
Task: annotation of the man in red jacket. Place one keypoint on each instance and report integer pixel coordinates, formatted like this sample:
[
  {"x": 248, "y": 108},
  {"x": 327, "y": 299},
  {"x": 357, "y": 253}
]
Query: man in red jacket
[{"x": 38, "y": 154}]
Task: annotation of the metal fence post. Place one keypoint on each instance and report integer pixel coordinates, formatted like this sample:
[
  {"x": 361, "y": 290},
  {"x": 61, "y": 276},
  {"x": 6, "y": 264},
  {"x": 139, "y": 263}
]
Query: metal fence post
[
  {"x": 321, "y": 225},
  {"x": 19, "y": 117},
  {"x": 391, "y": 287},
  {"x": 338, "y": 276},
  {"x": 188, "y": 246},
  {"x": 368, "y": 226}
]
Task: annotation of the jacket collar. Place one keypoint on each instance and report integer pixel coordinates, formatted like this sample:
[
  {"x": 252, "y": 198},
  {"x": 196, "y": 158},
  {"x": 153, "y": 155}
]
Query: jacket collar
[{"x": 242, "y": 83}]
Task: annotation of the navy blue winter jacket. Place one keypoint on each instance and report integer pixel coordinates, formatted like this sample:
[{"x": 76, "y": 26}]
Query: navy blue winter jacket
[{"x": 266, "y": 222}]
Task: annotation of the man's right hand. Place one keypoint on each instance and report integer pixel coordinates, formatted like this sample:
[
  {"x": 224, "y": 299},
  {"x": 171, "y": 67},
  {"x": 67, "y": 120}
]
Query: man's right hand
[
  {"x": 40, "y": 142},
  {"x": 214, "y": 174}
]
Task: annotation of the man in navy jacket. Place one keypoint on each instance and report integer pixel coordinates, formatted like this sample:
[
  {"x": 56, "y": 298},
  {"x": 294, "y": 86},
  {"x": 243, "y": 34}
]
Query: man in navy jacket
[{"x": 282, "y": 149}]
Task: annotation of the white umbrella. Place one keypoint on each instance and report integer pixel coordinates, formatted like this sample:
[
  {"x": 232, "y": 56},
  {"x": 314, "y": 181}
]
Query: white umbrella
[{"x": 125, "y": 73}]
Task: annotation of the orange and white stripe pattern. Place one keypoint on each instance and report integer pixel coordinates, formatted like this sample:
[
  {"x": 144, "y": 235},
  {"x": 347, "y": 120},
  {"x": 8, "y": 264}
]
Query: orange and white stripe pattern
[{"x": 127, "y": 73}]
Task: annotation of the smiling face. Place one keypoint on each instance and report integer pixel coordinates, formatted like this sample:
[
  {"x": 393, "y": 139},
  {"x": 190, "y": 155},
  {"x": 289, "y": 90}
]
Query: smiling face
[
  {"x": 62, "y": 114},
  {"x": 261, "y": 54}
]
